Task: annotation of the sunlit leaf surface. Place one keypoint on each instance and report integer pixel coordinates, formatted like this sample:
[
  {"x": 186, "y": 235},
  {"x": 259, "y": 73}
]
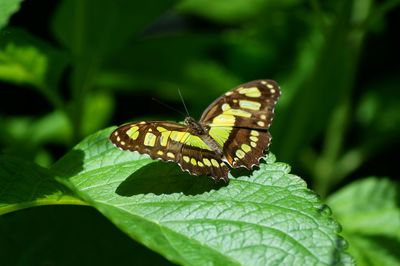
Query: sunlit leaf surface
[{"x": 267, "y": 218}]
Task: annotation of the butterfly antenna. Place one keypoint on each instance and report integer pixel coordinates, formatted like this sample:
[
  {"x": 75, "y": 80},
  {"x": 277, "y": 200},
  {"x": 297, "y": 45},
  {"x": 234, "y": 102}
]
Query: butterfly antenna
[
  {"x": 168, "y": 106},
  {"x": 184, "y": 105}
]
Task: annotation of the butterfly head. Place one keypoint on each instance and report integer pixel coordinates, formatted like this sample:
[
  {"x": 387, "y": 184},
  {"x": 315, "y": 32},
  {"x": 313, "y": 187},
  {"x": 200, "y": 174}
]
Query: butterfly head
[{"x": 193, "y": 124}]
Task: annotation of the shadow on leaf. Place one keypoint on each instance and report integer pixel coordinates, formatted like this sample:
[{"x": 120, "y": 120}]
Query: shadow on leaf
[
  {"x": 70, "y": 165},
  {"x": 26, "y": 182},
  {"x": 165, "y": 178}
]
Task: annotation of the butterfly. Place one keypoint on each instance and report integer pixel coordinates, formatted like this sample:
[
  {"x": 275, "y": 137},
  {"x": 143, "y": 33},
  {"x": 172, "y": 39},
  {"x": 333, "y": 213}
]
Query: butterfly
[{"x": 232, "y": 132}]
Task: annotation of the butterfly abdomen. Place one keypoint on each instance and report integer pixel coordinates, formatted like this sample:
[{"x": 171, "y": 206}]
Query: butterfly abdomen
[{"x": 212, "y": 144}]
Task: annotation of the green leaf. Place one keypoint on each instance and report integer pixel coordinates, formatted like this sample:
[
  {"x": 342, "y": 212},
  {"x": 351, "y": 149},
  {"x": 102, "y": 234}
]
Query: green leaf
[
  {"x": 7, "y": 8},
  {"x": 17, "y": 131},
  {"x": 22, "y": 65},
  {"x": 24, "y": 184},
  {"x": 97, "y": 111},
  {"x": 28, "y": 137},
  {"x": 369, "y": 212},
  {"x": 373, "y": 250},
  {"x": 268, "y": 218},
  {"x": 25, "y": 59}
]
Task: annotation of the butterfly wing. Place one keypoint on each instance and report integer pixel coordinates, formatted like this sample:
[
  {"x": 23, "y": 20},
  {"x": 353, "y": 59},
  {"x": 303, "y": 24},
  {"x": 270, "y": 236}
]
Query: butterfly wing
[
  {"x": 169, "y": 141},
  {"x": 239, "y": 121},
  {"x": 203, "y": 162}
]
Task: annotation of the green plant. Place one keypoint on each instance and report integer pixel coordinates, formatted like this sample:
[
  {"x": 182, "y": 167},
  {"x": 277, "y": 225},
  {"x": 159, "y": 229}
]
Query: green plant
[
  {"x": 90, "y": 62},
  {"x": 267, "y": 218}
]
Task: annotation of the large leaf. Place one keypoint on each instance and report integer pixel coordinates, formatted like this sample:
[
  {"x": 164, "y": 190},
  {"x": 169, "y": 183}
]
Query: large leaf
[
  {"x": 7, "y": 8},
  {"x": 370, "y": 215},
  {"x": 268, "y": 218},
  {"x": 24, "y": 184}
]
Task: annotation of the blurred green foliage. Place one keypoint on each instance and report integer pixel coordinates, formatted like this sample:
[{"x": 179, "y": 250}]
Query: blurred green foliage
[{"x": 72, "y": 67}]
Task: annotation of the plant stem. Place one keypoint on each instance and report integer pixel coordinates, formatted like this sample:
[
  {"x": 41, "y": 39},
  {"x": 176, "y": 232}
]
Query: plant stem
[
  {"x": 325, "y": 165},
  {"x": 65, "y": 200}
]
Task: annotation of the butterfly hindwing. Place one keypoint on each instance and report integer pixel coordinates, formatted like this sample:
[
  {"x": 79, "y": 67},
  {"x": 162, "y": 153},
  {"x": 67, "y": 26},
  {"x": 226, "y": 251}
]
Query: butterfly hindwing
[
  {"x": 203, "y": 162},
  {"x": 246, "y": 147},
  {"x": 239, "y": 121},
  {"x": 170, "y": 142}
]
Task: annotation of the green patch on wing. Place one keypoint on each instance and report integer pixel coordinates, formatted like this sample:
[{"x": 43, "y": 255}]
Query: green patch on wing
[{"x": 197, "y": 142}]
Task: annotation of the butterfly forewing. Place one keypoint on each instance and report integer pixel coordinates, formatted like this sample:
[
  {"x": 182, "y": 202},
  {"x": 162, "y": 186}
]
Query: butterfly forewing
[
  {"x": 171, "y": 142},
  {"x": 250, "y": 105},
  {"x": 239, "y": 121},
  {"x": 152, "y": 138}
]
